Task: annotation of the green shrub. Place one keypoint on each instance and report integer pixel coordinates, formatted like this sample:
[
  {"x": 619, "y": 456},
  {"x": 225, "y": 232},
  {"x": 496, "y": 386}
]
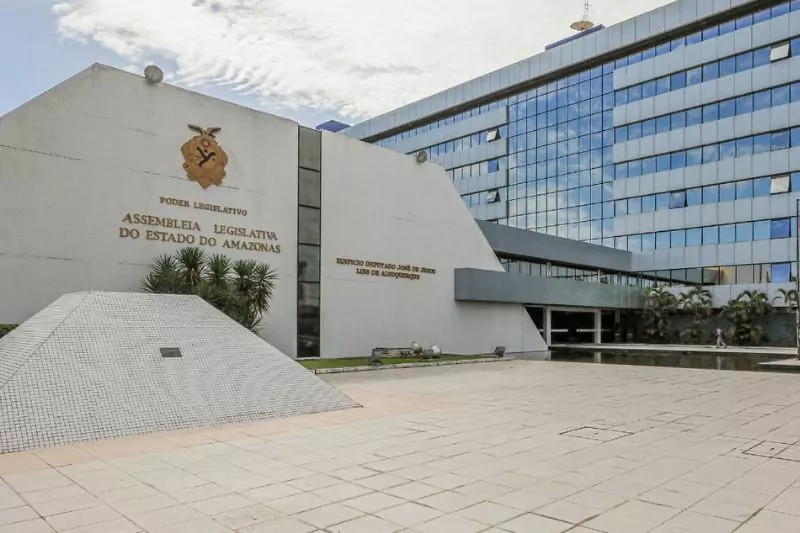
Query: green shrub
[
  {"x": 241, "y": 289},
  {"x": 6, "y": 328}
]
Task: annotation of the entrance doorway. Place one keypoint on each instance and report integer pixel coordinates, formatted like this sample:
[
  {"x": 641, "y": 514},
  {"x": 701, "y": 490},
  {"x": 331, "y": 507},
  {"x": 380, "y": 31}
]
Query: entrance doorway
[{"x": 572, "y": 327}]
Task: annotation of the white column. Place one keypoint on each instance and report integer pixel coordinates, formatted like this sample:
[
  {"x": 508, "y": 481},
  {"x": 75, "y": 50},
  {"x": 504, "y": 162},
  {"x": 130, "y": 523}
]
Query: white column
[
  {"x": 547, "y": 326},
  {"x": 598, "y": 327}
]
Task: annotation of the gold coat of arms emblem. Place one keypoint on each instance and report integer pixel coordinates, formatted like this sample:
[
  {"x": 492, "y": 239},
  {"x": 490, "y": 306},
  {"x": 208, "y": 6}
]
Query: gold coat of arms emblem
[{"x": 204, "y": 159}]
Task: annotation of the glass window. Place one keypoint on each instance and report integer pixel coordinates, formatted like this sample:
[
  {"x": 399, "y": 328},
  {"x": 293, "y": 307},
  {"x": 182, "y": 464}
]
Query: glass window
[
  {"x": 648, "y": 203},
  {"x": 761, "y": 230},
  {"x": 710, "y": 235},
  {"x": 762, "y": 100},
  {"x": 493, "y": 165},
  {"x": 780, "y": 96},
  {"x": 635, "y": 130},
  {"x": 744, "y": 189},
  {"x": 727, "y": 108},
  {"x": 744, "y": 232},
  {"x": 761, "y": 143},
  {"x": 694, "y": 116},
  {"x": 634, "y": 93},
  {"x": 621, "y": 134},
  {"x": 710, "y": 153},
  {"x": 649, "y": 89},
  {"x": 663, "y": 163},
  {"x": 620, "y": 207},
  {"x": 694, "y": 237},
  {"x": 694, "y": 196},
  {"x": 745, "y": 274},
  {"x": 678, "y": 160},
  {"x": 744, "y": 104},
  {"x": 634, "y": 205},
  {"x": 710, "y": 71},
  {"x": 308, "y": 188},
  {"x": 744, "y": 61},
  {"x": 710, "y": 112},
  {"x": 727, "y": 27},
  {"x": 744, "y": 147},
  {"x": 648, "y": 128},
  {"x": 308, "y": 260},
  {"x": 727, "y": 150},
  {"x": 634, "y": 243},
  {"x": 649, "y": 165},
  {"x": 635, "y": 168},
  {"x": 744, "y": 22},
  {"x": 694, "y": 157},
  {"x": 795, "y": 137},
  {"x": 662, "y": 240},
  {"x": 621, "y": 171},
  {"x": 762, "y": 56},
  {"x": 694, "y": 38},
  {"x": 780, "y": 140},
  {"x": 711, "y": 194},
  {"x": 677, "y": 80},
  {"x": 308, "y": 225},
  {"x": 727, "y": 192},
  {"x": 779, "y": 184},
  {"x": 727, "y": 233},
  {"x": 710, "y": 32},
  {"x": 780, "y": 228},
  {"x": 677, "y": 199},
  {"x": 694, "y": 76},
  {"x": 662, "y": 124},
  {"x": 662, "y": 85},
  {"x": 648, "y": 241},
  {"x": 779, "y": 51},
  {"x": 677, "y": 238},
  {"x": 762, "y": 187},
  {"x": 727, "y": 66},
  {"x": 781, "y": 273},
  {"x": 678, "y": 119},
  {"x": 795, "y": 179}
]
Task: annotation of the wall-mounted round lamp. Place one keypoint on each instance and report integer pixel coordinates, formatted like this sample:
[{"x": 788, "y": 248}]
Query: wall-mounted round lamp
[{"x": 153, "y": 74}]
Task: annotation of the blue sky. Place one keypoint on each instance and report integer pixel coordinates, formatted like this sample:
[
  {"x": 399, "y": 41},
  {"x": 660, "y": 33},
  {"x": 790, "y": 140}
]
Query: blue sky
[{"x": 309, "y": 60}]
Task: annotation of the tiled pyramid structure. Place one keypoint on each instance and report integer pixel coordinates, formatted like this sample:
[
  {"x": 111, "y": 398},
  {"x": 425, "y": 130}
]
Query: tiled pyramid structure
[{"x": 89, "y": 367}]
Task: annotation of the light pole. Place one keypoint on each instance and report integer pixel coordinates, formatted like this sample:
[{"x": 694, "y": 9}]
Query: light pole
[{"x": 797, "y": 280}]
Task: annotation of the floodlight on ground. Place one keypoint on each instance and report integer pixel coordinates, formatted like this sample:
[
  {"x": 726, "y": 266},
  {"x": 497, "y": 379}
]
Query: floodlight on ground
[
  {"x": 500, "y": 351},
  {"x": 416, "y": 348}
]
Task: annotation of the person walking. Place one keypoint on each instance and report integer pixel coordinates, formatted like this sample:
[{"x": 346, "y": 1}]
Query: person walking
[{"x": 720, "y": 336}]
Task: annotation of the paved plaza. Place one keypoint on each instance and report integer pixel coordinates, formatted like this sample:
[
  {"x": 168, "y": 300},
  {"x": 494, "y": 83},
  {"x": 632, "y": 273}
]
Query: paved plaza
[{"x": 520, "y": 447}]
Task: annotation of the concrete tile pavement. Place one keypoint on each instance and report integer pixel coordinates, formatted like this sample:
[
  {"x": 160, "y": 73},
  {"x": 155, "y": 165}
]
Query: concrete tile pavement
[{"x": 520, "y": 447}]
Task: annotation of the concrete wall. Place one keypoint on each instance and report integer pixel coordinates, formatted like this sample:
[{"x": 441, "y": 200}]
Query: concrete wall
[
  {"x": 381, "y": 206},
  {"x": 104, "y": 144},
  {"x": 76, "y": 160},
  {"x": 521, "y": 243}
]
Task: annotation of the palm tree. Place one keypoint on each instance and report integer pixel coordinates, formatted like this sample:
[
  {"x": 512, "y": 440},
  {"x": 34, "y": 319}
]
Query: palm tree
[
  {"x": 746, "y": 312},
  {"x": 241, "y": 289},
  {"x": 659, "y": 306},
  {"x": 697, "y": 304}
]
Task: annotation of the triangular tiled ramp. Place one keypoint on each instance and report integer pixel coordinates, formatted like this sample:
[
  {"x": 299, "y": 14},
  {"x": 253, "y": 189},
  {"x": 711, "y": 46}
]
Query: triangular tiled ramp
[{"x": 89, "y": 367}]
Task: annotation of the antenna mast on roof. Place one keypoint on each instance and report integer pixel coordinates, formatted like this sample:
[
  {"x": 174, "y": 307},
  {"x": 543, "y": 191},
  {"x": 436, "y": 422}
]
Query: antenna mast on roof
[{"x": 583, "y": 24}]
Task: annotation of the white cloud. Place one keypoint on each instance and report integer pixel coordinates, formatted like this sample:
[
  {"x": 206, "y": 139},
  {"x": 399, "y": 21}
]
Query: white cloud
[{"x": 358, "y": 58}]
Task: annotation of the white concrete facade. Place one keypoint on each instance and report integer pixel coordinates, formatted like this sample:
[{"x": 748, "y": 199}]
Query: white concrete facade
[{"x": 76, "y": 161}]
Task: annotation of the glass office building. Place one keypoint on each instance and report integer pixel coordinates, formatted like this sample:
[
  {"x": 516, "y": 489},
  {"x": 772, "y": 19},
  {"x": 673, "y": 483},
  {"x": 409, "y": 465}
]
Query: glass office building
[{"x": 674, "y": 135}]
